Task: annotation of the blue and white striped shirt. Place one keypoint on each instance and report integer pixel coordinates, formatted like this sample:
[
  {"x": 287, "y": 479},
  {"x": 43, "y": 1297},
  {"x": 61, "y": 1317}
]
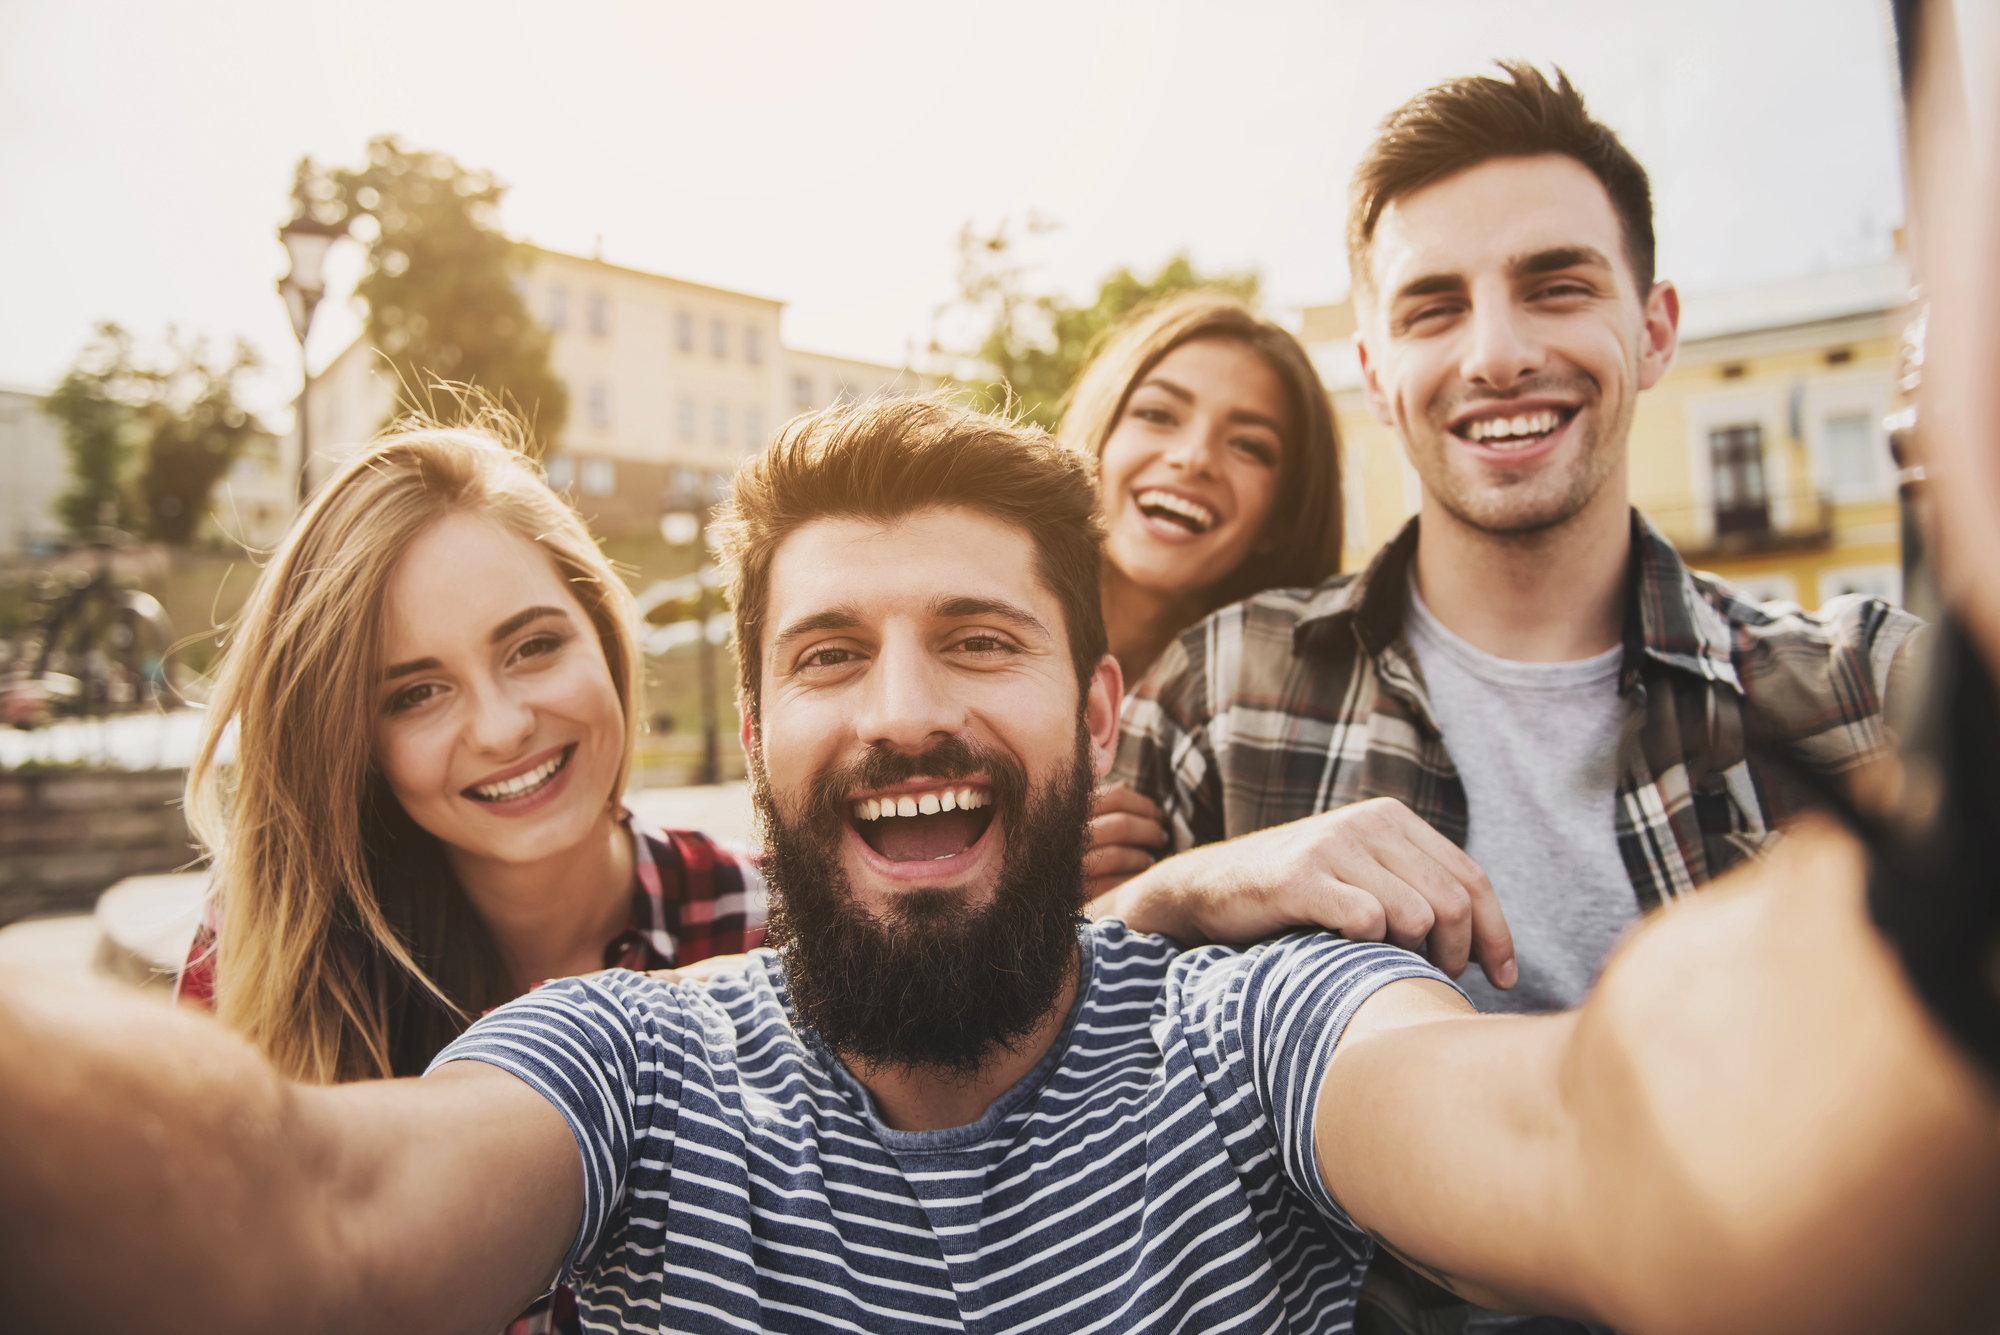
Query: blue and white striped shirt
[{"x": 1154, "y": 1172}]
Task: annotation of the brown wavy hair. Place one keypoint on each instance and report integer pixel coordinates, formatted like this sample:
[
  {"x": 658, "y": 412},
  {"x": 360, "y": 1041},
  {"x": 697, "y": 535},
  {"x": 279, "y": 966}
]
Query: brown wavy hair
[
  {"x": 346, "y": 948},
  {"x": 1303, "y": 532}
]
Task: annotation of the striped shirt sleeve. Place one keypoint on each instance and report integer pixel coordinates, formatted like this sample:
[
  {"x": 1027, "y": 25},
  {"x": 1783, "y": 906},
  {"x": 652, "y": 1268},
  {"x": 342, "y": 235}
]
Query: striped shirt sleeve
[
  {"x": 1275, "y": 1013},
  {"x": 597, "y": 1050}
]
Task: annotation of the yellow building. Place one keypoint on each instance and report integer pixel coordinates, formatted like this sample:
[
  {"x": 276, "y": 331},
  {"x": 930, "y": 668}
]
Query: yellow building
[{"x": 1763, "y": 454}]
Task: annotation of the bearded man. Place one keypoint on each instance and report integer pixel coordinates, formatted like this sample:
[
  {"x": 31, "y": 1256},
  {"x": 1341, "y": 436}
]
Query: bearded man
[{"x": 947, "y": 1102}]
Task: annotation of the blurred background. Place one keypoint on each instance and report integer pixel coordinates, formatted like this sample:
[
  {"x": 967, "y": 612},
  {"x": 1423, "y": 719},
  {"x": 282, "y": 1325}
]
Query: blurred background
[{"x": 234, "y": 236}]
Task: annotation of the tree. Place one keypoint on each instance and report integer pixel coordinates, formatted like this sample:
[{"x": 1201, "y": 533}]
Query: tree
[
  {"x": 1034, "y": 347},
  {"x": 439, "y": 282},
  {"x": 149, "y": 436}
]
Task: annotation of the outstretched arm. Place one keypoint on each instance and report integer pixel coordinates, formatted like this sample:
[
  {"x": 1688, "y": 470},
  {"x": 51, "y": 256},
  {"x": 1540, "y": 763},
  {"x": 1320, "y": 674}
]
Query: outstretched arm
[
  {"x": 158, "y": 1175},
  {"x": 1752, "y": 1125}
]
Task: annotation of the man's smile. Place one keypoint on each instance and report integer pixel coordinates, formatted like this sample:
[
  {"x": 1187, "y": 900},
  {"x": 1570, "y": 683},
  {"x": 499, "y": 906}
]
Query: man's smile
[{"x": 924, "y": 820}]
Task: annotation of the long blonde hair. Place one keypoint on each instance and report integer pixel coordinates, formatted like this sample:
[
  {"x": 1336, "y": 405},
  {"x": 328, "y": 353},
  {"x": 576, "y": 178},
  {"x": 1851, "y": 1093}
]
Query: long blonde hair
[{"x": 346, "y": 948}]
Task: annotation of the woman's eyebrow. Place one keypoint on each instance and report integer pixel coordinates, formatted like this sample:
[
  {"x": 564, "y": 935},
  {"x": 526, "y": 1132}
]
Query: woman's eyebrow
[
  {"x": 522, "y": 618},
  {"x": 500, "y": 632}
]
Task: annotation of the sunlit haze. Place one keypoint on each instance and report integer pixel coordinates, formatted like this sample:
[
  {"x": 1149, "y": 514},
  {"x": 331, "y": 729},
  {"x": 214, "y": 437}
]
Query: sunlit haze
[{"x": 828, "y": 154}]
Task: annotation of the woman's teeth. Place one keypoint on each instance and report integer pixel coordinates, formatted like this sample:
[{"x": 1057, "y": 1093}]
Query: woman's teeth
[
  {"x": 1513, "y": 432},
  {"x": 522, "y": 784},
  {"x": 1197, "y": 517},
  {"x": 922, "y": 804}
]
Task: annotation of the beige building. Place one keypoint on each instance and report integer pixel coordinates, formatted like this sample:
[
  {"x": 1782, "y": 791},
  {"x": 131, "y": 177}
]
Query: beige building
[
  {"x": 663, "y": 375},
  {"x": 1763, "y": 454}
]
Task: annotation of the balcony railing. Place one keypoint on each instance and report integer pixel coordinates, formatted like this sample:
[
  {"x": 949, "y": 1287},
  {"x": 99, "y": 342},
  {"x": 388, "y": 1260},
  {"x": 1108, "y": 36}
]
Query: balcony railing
[{"x": 1797, "y": 521}]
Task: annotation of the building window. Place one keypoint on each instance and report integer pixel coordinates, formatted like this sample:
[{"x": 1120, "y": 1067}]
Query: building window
[
  {"x": 753, "y": 344},
  {"x": 684, "y": 331},
  {"x": 1742, "y": 503},
  {"x": 802, "y": 393},
  {"x": 562, "y": 472},
  {"x": 1876, "y": 581},
  {"x": 600, "y": 477},
  {"x": 718, "y": 337},
  {"x": 600, "y": 406},
  {"x": 719, "y": 430},
  {"x": 753, "y": 429},
  {"x": 1850, "y": 452},
  {"x": 597, "y": 312},
  {"x": 684, "y": 416},
  {"x": 558, "y": 308}
]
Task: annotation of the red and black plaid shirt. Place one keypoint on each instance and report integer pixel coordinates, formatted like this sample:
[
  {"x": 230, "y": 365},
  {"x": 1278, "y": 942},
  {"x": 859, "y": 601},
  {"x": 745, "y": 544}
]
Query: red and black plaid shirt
[{"x": 695, "y": 899}]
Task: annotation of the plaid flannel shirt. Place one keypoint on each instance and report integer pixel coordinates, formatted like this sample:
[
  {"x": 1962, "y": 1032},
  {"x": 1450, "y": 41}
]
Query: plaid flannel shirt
[{"x": 1297, "y": 701}]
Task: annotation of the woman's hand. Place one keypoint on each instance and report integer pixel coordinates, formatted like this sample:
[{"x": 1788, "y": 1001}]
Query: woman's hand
[{"x": 1125, "y": 838}]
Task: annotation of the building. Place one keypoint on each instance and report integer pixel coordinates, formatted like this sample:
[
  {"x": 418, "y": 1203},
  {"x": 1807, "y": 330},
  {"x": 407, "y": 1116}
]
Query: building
[
  {"x": 664, "y": 375},
  {"x": 1763, "y": 454},
  {"x": 36, "y": 467}
]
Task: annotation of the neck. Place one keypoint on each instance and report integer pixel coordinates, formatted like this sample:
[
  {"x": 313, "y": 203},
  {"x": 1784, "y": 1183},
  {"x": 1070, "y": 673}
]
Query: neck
[
  {"x": 551, "y": 918},
  {"x": 1554, "y": 596},
  {"x": 917, "y": 1100},
  {"x": 1140, "y": 622}
]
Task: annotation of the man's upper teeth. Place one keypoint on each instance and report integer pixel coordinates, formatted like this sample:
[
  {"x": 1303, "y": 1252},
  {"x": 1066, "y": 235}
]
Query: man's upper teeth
[
  {"x": 922, "y": 804},
  {"x": 1180, "y": 505},
  {"x": 1528, "y": 424},
  {"x": 521, "y": 783}
]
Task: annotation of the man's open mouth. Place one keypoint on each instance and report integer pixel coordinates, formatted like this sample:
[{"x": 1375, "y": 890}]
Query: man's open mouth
[
  {"x": 1516, "y": 432},
  {"x": 1190, "y": 515},
  {"x": 925, "y": 825},
  {"x": 522, "y": 785}
]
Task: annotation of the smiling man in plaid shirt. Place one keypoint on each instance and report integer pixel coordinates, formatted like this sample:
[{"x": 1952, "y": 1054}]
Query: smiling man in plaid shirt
[{"x": 1527, "y": 669}]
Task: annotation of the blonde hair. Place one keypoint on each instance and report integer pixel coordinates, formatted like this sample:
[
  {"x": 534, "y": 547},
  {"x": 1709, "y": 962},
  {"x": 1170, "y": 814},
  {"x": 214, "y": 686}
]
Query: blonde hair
[
  {"x": 346, "y": 948},
  {"x": 1303, "y": 533}
]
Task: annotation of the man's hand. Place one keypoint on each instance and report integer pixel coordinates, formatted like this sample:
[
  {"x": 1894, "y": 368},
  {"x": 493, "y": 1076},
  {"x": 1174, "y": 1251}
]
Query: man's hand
[
  {"x": 1126, "y": 836},
  {"x": 1374, "y": 871}
]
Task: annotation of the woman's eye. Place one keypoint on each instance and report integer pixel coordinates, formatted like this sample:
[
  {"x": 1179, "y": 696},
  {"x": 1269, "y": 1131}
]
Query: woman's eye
[
  {"x": 1261, "y": 450},
  {"x": 410, "y": 697},
  {"x": 539, "y": 646},
  {"x": 1157, "y": 416}
]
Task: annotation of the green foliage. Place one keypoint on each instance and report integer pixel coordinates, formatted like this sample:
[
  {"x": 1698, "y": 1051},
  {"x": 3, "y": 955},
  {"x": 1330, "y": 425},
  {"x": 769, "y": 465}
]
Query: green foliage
[
  {"x": 148, "y": 438},
  {"x": 1035, "y": 346},
  {"x": 442, "y": 305}
]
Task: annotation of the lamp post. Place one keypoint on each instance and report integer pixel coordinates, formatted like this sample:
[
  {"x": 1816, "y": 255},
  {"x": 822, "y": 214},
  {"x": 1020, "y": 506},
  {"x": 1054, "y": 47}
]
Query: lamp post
[
  {"x": 307, "y": 240},
  {"x": 693, "y": 493}
]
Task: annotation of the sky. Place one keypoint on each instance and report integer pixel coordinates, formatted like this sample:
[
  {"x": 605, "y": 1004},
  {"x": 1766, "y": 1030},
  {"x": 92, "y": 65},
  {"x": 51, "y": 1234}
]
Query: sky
[{"x": 828, "y": 154}]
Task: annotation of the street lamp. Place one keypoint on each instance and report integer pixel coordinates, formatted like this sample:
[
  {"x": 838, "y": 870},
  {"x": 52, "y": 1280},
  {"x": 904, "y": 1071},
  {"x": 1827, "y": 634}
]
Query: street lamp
[
  {"x": 307, "y": 240},
  {"x": 690, "y": 498}
]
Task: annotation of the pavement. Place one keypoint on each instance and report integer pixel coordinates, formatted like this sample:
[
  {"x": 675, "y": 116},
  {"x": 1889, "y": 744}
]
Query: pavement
[{"x": 141, "y": 927}]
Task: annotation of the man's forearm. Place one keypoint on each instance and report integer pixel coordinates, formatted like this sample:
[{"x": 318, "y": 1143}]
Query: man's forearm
[
  {"x": 157, "y": 1174},
  {"x": 1751, "y": 1126}
]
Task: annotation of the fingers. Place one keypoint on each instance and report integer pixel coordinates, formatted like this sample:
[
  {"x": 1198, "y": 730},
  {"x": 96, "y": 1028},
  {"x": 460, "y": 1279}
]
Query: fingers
[
  {"x": 1491, "y": 940},
  {"x": 1119, "y": 860},
  {"x": 1121, "y": 827},
  {"x": 1119, "y": 797}
]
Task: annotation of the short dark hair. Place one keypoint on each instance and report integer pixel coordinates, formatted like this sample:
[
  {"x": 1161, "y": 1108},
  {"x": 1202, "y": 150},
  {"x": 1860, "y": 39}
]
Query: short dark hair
[
  {"x": 1302, "y": 535},
  {"x": 883, "y": 460},
  {"x": 1464, "y": 122}
]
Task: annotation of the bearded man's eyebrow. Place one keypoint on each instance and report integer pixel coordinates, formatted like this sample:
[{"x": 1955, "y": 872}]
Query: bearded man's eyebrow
[
  {"x": 832, "y": 618},
  {"x": 949, "y": 608}
]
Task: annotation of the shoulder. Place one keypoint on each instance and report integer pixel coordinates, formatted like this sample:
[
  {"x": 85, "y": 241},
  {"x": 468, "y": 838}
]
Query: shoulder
[
  {"x": 1781, "y": 642},
  {"x": 1247, "y": 648}
]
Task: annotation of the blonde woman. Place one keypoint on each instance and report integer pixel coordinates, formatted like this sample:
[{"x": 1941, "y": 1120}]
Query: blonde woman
[
  {"x": 434, "y": 689},
  {"x": 1219, "y": 477}
]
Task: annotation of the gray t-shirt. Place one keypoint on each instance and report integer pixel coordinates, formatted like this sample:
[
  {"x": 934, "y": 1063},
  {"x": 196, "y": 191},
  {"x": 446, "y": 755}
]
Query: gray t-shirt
[{"x": 1536, "y": 745}]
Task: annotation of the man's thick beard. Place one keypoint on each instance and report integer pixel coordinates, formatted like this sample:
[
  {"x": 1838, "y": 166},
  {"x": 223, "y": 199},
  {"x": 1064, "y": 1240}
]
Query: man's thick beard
[{"x": 938, "y": 986}]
